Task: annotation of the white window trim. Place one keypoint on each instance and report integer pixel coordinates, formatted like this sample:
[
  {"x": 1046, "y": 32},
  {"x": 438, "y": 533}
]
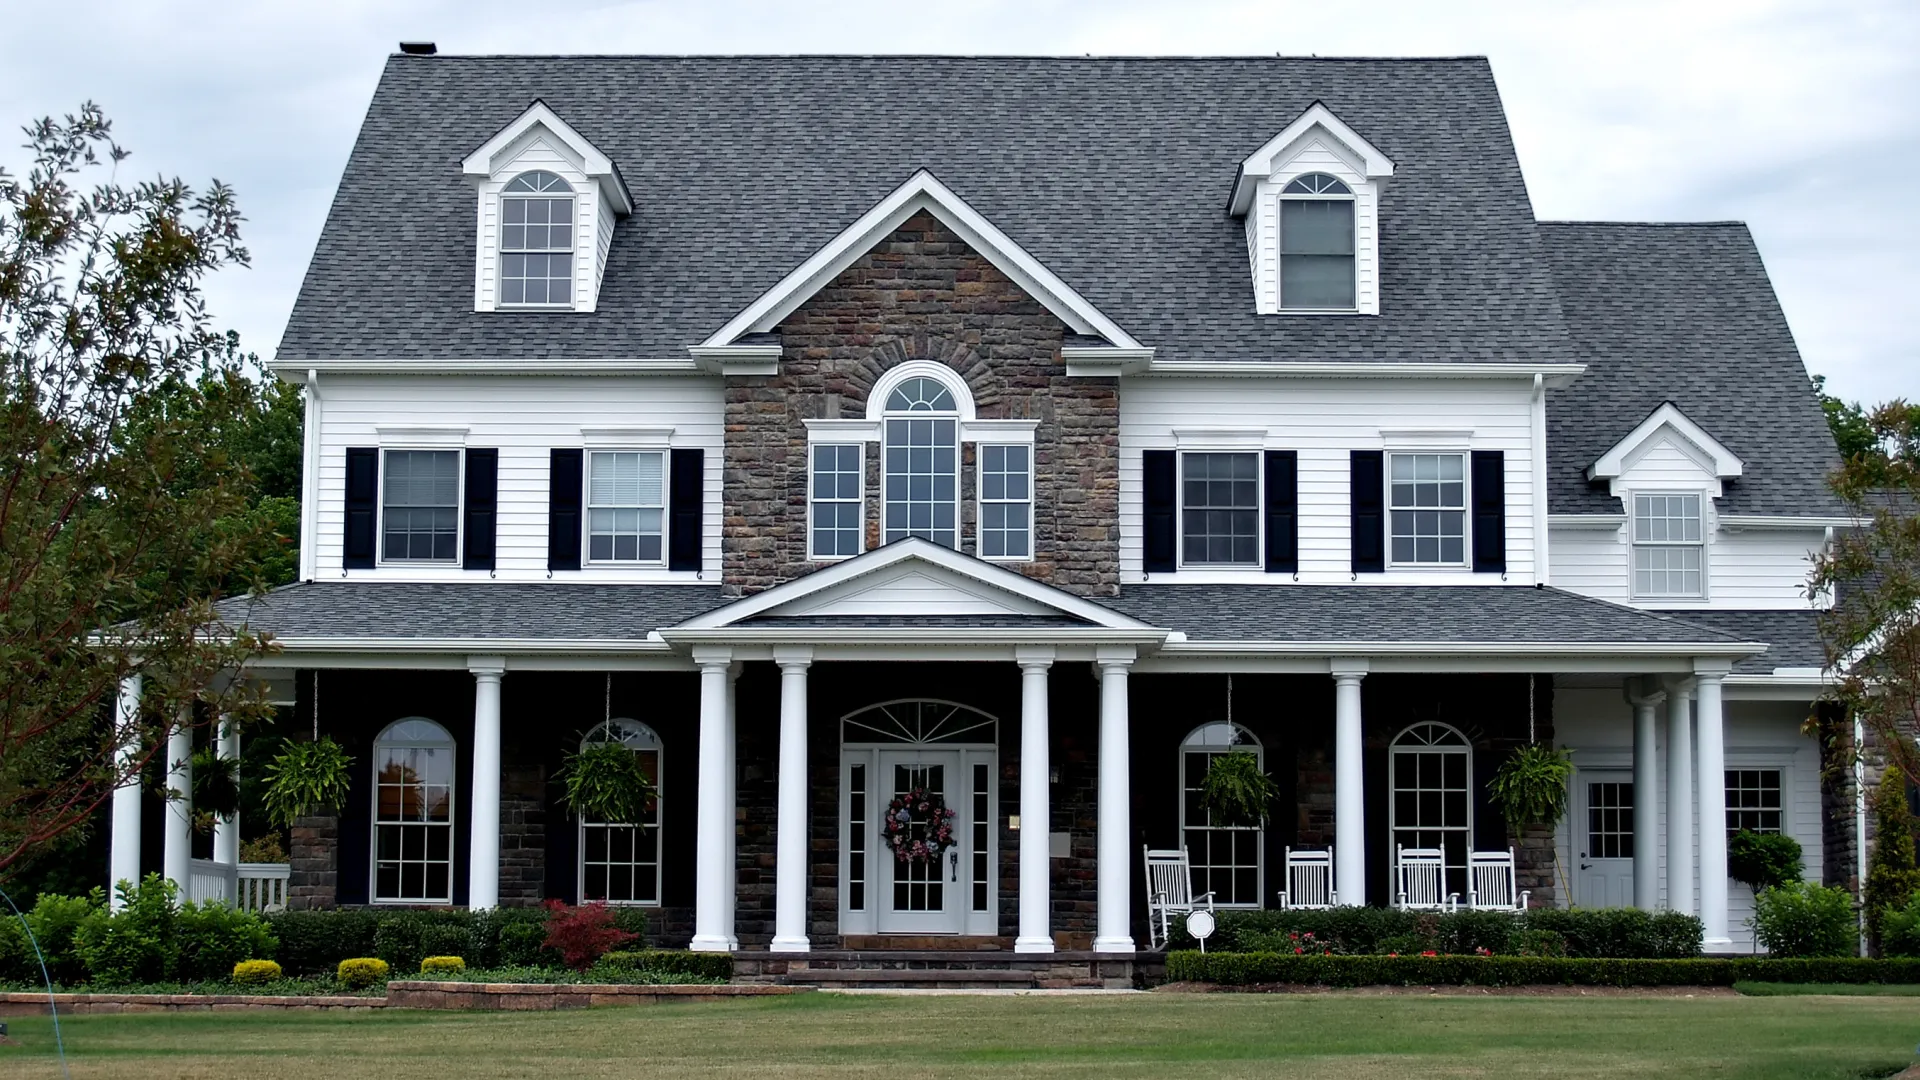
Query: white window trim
[
  {"x": 1352, "y": 198},
  {"x": 1259, "y": 751},
  {"x": 1465, "y": 565},
  {"x": 453, "y": 816},
  {"x": 659, "y": 826},
  {"x": 586, "y": 508},
  {"x": 500, "y": 252},
  {"x": 459, "y": 508},
  {"x": 1259, "y": 563},
  {"x": 980, "y": 502},
  {"x": 1633, "y": 578},
  {"x": 813, "y": 503}
]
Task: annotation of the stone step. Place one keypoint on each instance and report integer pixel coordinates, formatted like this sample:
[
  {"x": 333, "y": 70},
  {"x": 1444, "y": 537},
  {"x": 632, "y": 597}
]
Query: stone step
[
  {"x": 925, "y": 943},
  {"x": 915, "y": 978}
]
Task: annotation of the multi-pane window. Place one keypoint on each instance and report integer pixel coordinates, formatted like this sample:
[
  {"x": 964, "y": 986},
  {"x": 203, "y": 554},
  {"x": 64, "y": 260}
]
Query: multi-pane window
[
  {"x": 620, "y": 860},
  {"x": 1432, "y": 802},
  {"x": 1753, "y": 800},
  {"x": 1316, "y": 245},
  {"x": 1429, "y": 509},
  {"x": 1225, "y": 858},
  {"x": 536, "y": 240},
  {"x": 837, "y": 499},
  {"x": 922, "y": 432},
  {"x": 1220, "y": 509},
  {"x": 856, "y": 837},
  {"x": 1610, "y": 820},
  {"x": 413, "y": 813},
  {"x": 626, "y": 505},
  {"x": 1006, "y": 502},
  {"x": 1667, "y": 545},
  {"x": 420, "y": 506}
]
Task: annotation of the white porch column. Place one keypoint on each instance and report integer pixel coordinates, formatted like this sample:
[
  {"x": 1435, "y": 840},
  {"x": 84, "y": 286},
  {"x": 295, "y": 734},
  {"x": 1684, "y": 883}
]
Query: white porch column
[
  {"x": 1712, "y": 789},
  {"x": 790, "y": 829},
  {"x": 1036, "y": 897},
  {"x": 1646, "y": 811},
  {"x": 226, "y": 829},
  {"x": 1349, "y": 784},
  {"x": 123, "y": 860},
  {"x": 1680, "y": 798},
  {"x": 730, "y": 903},
  {"x": 177, "y": 855},
  {"x": 483, "y": 829},
  {"x": 711, "y": 877},
  {"x": 1113, "y": 930}
]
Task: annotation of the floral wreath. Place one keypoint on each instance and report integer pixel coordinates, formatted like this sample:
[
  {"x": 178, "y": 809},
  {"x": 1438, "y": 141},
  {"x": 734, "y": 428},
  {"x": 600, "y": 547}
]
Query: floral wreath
[{"x": 919, "y": 807}]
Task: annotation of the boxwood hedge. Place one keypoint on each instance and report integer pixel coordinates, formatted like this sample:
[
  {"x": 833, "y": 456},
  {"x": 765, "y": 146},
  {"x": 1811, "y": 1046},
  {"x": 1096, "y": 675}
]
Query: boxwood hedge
[{"x": 1243, "y": 969}]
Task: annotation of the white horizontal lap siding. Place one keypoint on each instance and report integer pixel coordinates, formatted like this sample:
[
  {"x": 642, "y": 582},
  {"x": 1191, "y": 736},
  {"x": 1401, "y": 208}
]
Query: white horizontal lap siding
[
  {"x": 524, "y": 418},
  {"x": 603, "y": 239},
  {"x": 1747, "y": 570},
  {"x": 1324, "y": 421},
  {"x": 1590, "y": 561}
]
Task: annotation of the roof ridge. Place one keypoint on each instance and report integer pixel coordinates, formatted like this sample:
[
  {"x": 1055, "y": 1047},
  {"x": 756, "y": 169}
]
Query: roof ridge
[
  {"x": 1718, "y": 224},
  {"x": 1152, "y": 58}
]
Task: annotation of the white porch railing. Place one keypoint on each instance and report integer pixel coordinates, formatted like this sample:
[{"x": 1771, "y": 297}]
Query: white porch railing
[{"x": 255, "y": 887}]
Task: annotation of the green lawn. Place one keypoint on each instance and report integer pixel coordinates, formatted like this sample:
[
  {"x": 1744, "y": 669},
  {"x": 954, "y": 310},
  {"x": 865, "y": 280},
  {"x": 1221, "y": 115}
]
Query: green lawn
[
  {"x": 1772, "y": 989},
  {"x": 1158, "y": 1036}
]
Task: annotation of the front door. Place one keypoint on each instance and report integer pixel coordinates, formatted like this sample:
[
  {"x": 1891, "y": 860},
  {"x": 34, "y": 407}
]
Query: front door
[
  {"x": 919, "y": 895},
  {"x": 1603, "y": 839}
]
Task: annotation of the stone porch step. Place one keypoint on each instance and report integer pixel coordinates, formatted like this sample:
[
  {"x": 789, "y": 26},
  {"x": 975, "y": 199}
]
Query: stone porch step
[
  {"x": 916, "y": 978},
  {"x": 925, "y": 943}
]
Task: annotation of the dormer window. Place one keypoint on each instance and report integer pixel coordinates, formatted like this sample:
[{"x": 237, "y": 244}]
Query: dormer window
[
  {"x": 536, "y": 241},
  {"x": 1316, "y": 245}
]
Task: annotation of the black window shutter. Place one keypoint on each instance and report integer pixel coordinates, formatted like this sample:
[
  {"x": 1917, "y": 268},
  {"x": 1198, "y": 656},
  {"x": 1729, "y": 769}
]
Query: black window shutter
[
  {"x": 1369, "y": 512},
  {"x": 1489, "y": 511},
  {"x": 363, "y": 493},
  {"x": 563, "y": 510},
  {"x": 483, "y": 488},
  {"x": 1158, "y": 467},
  {"x": 1283, "y": 506},
  {"x": 686, "y": 494}
]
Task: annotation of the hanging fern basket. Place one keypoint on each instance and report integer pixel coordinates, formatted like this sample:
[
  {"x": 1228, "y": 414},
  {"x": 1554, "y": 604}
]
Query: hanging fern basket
[
  {"x": 604, "y": 781},
  {"x": 1530, "y": 787},
  {"x": 1235, "y": 792},
  {"x": 306, "y": 778}
]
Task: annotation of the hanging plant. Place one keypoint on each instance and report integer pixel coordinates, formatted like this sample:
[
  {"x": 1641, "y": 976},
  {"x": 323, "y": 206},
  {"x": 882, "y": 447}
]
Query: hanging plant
[
  {"x": 216, "y": 783},
  {"x": 306, "y": 778},
  {"x": 1236, "y": 792},
  {"x": 604, "y": 781},
  {"x": 1530, "y": 787}
]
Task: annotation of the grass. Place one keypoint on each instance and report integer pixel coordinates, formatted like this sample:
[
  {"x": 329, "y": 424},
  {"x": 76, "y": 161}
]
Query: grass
[
  {"x": 811, "y": 1036},
  {"x": 1768, "y": 989}
]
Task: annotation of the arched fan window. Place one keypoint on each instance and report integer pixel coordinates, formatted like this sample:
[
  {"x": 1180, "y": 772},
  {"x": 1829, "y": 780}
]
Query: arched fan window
[
  {"x": 1316, "y": 245},
  {"x": 413, "y": 813},
  {"x": 1431, "y": 805}
]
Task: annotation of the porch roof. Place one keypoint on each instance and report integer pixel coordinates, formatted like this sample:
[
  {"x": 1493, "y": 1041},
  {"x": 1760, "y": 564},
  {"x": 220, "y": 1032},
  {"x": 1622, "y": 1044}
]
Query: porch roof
[{"x": 467, "y": 610}]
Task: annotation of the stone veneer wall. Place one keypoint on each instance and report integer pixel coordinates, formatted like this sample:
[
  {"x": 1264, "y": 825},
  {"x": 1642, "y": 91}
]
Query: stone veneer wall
[
  {"x": 922, "y": 293},
  {"x": 314, "y": 851}
]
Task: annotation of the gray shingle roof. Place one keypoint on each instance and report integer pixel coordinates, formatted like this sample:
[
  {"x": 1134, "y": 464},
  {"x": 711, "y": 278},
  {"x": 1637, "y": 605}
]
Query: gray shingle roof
[
  {"x": 1682, "y": 313},
  {"x": 478, "y": 609},
  {"x": 1114, "y": 172},
  {"x": 1792, "y": 637},
  {"x": 1516, "y": 614}
]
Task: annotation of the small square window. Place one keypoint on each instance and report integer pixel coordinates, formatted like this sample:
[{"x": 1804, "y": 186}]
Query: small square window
[{"x": 1753, "y": 800}]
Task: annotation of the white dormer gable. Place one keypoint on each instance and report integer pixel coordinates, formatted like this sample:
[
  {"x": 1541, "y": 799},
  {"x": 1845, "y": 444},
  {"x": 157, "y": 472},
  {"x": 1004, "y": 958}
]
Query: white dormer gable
[
  {"x": 539, "y": 142},
  {"x": 1667, "y": 450},
  {"x": 1316, "y": 144}
]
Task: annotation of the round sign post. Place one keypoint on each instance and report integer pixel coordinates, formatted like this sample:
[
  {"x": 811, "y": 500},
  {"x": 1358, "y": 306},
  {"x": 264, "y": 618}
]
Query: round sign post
[{"x": 1200, "y": 925}]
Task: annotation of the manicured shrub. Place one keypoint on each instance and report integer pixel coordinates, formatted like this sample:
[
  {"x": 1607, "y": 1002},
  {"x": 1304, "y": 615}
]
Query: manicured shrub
[
  {"x": 54, "y": 920},
  {"x": 361, "y": 972},
  {"x": 1620, "y": 933},
  {"x": 1805, "y": 918},
  {"x": 451, "y": 965},
  {"x": 1763, "y": 860},
  {"x": 316, "y": 941},
  {"x": 707, "y": 965},
  {"x": 256, "y": 972},
  {"x": 404, "y": 938},
  {"x": 1892, "y": 875},
  {"x": 135, "y": 944},
  {"x": 212, "y": 938},
  {"x": 1241, "y": 969},
  {"x": 1605, "y": 933},
  {"x": 312, "y": 942},
  {"x": 584, "y": 933},
  {"x": 1900, "y": 930}
]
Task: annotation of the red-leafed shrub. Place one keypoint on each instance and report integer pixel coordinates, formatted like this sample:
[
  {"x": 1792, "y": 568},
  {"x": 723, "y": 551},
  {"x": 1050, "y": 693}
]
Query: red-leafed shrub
[{"x": 583, "y": 934}]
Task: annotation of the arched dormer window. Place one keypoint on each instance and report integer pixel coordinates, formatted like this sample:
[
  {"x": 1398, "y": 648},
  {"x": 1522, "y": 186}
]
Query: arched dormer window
[
  {"x": 1226, "y": 859},
  {"x": 620, "y": 860},
  {"x": 536, "y": 241},
  {"x": 921, "y": 475},
  {"x": 413, "y": 813},
  {"x": 1432, "y": 795},
  {"x": 1316, "y": 245}
]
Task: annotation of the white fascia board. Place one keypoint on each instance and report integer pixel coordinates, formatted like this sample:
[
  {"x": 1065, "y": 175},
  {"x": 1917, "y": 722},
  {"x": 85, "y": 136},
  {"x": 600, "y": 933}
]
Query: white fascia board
[
  {"x": 1555, "y": 376},
  {"x": 1725, "y": 464},
  {"x": 1259, "y": 165},
  {"x": 915, "y": 549},
  {"x": 737, "y": 359},
  {"x": 1757, "y": 522},
  {"x": 1103, "y": 361},
  {"x": 600, "y": 167},
  {"x": 1462, "y": 648},
  {"x": 296, "y": 371},
  {"x": 897, "y": 635},
  {"x": 922, "y": 191},
  {"x": 455, "y": 653}
]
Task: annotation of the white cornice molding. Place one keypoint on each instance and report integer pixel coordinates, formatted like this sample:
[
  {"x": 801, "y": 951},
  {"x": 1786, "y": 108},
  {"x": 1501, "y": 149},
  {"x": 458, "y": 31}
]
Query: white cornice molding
[
  {"x": 1461, "y": 648},
  {"x": 482, "y": 163},
  {"x": 737, "y": 359},
  {"x": 921, "y": 191},
  {"x": 298, "y": 371},
  {"x": 1586, "y": 522},
  {"x": 1722, "y": 461},
  {"x": 1758, "y": 522},
  {"x": 1556, "y": 376},
  {"x": 1103, "y": 361},
  {"x": 1260, "y": 164}
]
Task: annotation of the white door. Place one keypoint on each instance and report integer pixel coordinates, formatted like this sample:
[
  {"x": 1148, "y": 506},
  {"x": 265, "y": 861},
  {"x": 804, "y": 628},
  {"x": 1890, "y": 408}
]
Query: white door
[
  {"x": 1603, "y": 839},
  {"x": 922, "y": 896}
]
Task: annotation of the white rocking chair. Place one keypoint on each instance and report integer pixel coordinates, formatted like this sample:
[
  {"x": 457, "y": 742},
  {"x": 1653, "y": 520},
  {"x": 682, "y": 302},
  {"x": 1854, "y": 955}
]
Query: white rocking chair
[
  {"x": 1423, "y": 880},
  {"x": 1310, "y": 884},
  {"x": 1169, "y": 893},
  {"x": 1493, "y": 882}
]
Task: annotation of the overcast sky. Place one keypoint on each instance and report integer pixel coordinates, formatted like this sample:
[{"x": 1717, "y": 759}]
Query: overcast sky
[{"x": 1802, "y": 119}]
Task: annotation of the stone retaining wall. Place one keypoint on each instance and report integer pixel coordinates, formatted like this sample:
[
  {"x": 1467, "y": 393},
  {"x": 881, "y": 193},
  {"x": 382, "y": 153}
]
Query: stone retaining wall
[
  {"x": 35, "y": 1004},
  {"x": 537, "y": 996}
]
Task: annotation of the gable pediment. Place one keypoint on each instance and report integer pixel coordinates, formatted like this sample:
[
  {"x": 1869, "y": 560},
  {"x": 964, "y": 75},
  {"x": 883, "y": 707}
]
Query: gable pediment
[{"x": 1667, "y": 437}]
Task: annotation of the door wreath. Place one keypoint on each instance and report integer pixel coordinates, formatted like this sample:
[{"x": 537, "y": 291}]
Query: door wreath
[{"x": 919, "y": 807}]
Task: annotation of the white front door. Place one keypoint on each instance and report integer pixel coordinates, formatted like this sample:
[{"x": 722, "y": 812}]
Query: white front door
[
  {"x": 1602, "y": 837},
  {"x": 921, "y": 896}
]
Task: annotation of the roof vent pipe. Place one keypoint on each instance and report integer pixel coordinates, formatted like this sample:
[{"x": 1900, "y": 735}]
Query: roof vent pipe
[{"x": 419, "y": 48}]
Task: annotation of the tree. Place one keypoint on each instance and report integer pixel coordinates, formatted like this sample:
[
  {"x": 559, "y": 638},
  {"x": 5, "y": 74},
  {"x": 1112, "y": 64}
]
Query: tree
[
  {"x": 126, "y": 503},
  {"x": 1892, "y": 878},
  {"x": 1846, "y": 419}
]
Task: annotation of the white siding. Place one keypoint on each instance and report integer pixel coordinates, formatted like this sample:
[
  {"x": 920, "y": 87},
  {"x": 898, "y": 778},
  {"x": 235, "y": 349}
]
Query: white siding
[
  {"x": 1597, "y": 725},
  {"x": 593, "y": 220},
  {"x": 524, "y": 417},
  {"x": 1324, "y": 420},
  {"x": 1263, "y": 224}
]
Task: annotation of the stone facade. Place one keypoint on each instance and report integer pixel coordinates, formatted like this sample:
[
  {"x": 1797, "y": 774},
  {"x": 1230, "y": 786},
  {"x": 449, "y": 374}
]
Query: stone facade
[
  {"x": 314, "y": 851},
  {"x": 923, "y": 293}
]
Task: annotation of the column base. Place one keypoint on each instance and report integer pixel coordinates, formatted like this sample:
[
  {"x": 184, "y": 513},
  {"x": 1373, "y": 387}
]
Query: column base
[
  {"x": 1033, "y": 944},
  {"x": 1113, "y": 944},
  {"x": 1722, "y": 944},
  {"x": 708, "y": 943},
  {"x": 790, "y": 944}
]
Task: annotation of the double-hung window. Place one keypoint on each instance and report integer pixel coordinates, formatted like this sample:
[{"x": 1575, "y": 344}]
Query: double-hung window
[
  {"x": 837, "y": 497},
  {"x": 1006, "y": 502},
  {"x": 1220, "y": 509},
  {"x": 1668, "y": 545},
  {"x": 1316, "y": 245},
  {"x": 626, "y": 506},
  {"x": 1428, "y": 509},
  {"x": 420, "y": 506},
  {"x": 536, "y": 241}
]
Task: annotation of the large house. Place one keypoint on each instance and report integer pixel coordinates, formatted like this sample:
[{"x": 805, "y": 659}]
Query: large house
[{"x": 1031, "y": 431}]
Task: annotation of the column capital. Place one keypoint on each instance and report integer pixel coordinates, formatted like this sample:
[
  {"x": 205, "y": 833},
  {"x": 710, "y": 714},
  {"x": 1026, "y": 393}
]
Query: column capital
[
  {"x": 1647, "y": 691},
  {"x": 487, "y": 666},
  {"x": 1115, "y": 655},
  {"x": 712, "y": 656},
  {"x": 1711, "y": 668},
  {"x": 793, "y": 656},
  {"x": 1347, "y": 668},
  {"x": 1030, "y": 657}
]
